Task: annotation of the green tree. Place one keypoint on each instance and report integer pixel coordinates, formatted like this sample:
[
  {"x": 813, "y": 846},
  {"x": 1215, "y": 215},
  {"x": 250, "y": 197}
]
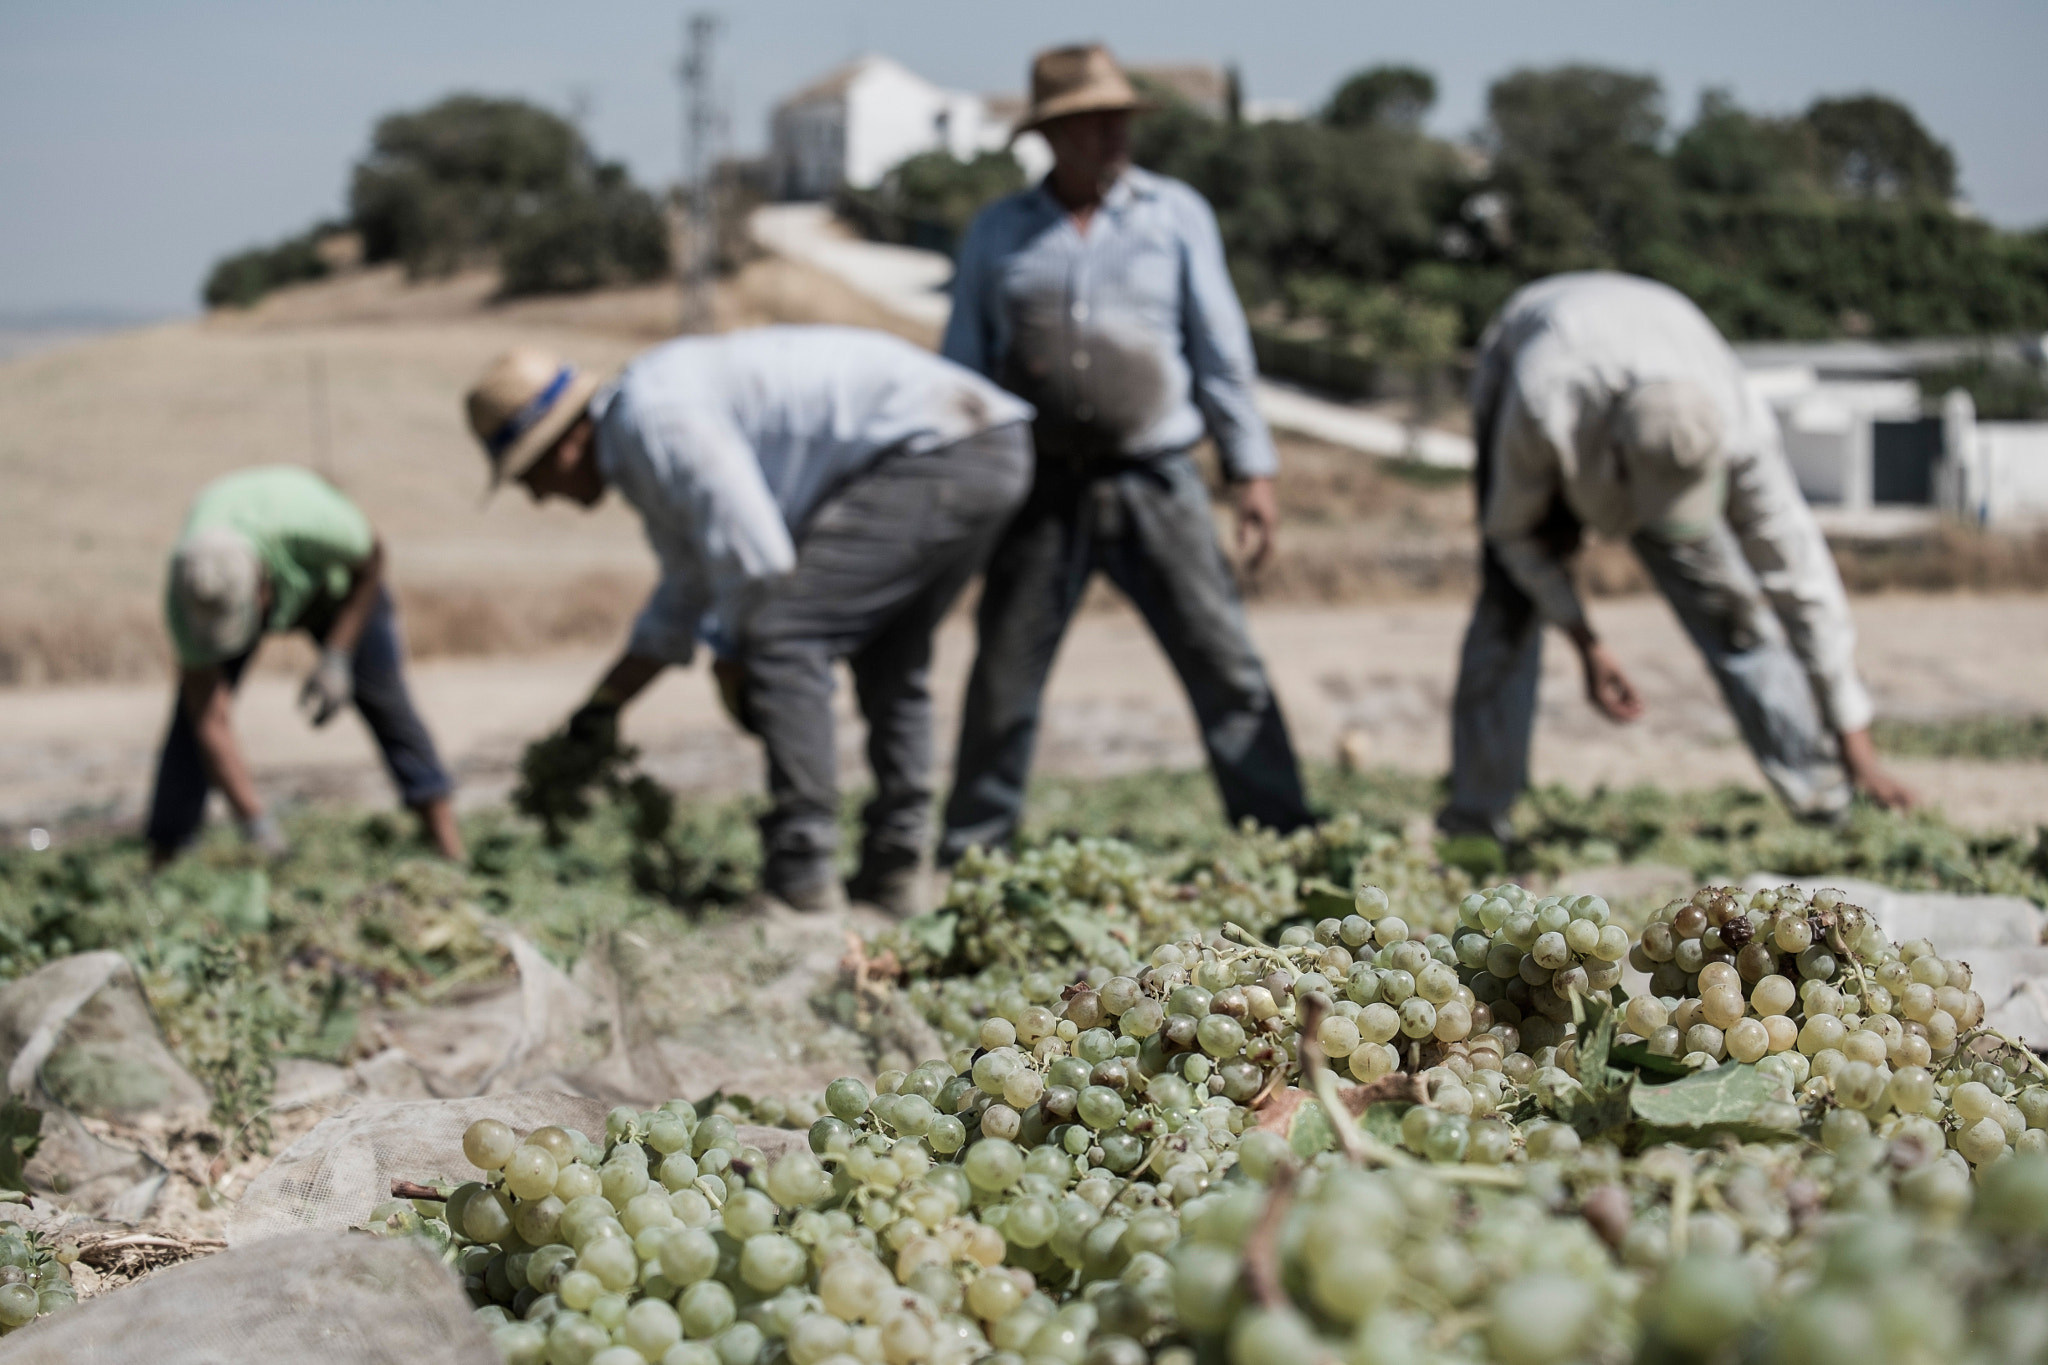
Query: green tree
[
  {"x": 1875, "y": 148},
  {"x": 1398, "y": 96},
  {"x": 1729, "y": 151},
  {"x": 1576, "y": 151}
]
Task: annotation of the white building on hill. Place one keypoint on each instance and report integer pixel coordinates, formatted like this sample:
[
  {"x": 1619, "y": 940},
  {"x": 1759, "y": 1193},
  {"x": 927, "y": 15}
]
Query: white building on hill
[{"x": 853, "y": 125}]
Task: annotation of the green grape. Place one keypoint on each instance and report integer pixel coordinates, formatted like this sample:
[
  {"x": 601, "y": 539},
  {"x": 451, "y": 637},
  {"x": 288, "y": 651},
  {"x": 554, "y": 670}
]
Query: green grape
[
  {"x": 994, "y": 1164},
  {"x": 17, "y": 1304},
  {"x": 488, "y": 1144},
  {"x": 706, "y": 1309}
]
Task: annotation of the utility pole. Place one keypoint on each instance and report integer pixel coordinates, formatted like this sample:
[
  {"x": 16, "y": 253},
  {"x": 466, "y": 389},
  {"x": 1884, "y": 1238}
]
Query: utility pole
[{"x": 703, "y": 131}]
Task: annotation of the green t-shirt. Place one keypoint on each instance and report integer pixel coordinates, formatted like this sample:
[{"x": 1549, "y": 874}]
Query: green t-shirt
[{"x": 309, "y": 537}]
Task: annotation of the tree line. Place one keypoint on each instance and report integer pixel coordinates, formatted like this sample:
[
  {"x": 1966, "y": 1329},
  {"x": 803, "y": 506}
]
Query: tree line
[
  {"x": 474, "y": 181},
  {"x": 1357, "y": 226}
]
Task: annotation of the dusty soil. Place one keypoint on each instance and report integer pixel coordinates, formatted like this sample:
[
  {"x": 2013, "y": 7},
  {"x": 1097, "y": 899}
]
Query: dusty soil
[{"x": 1382, "y": 674}]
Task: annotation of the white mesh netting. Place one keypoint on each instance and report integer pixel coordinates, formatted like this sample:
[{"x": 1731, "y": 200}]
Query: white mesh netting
[{"x": 313, "y": 1298}]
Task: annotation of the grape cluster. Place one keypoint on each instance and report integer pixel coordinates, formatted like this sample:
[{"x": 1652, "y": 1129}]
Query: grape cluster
[
  {"x": 1129, "y": 1158},
  {"x": 35, "y": 1278}
]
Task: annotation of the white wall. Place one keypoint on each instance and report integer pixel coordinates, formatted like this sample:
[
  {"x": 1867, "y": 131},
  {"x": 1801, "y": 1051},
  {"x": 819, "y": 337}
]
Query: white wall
[
  {"x": 1996, "y": 473},
  {"x": 1826, "y": 427},
  {"x": 892, "y": 113}
]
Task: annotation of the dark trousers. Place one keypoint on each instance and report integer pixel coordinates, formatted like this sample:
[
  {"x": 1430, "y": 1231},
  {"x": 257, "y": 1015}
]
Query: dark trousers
[
  {"x": 1711, "y": 587},
  {"x": 178, "y": 807},
  {"x": 877, "y": 568},
  {"x": 1147, "y": 525}
]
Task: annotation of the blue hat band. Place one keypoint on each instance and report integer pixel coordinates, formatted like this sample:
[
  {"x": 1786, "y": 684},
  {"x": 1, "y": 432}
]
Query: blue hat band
[{"x": 524, "y": 420}]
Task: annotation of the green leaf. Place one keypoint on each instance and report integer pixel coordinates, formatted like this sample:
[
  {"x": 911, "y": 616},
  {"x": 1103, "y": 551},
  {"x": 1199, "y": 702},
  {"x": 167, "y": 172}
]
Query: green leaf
[
  {"x": 1088, "y": 930},
  {"x": 1383, "y": 1121},
  {"x": 1727, "y": 1096},
  {"x": 1321, "y": 899},
  {"x": 20, "y": 1134},
  {"x": 242, "y": 904},
  {"x": 933, "y": 932},
  {"x": 1310, "y": 1131},
  {"x": 1638, "y": 1057},
  {"x": 1603, "y": 1103}
]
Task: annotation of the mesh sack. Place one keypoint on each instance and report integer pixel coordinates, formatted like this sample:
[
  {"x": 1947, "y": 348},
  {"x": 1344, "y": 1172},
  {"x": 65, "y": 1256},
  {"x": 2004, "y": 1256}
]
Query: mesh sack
[
  {"x": 313, "y": 1298},
  {"x": 78, "y": 1041},
  {"x": 333, "y": 1176}
]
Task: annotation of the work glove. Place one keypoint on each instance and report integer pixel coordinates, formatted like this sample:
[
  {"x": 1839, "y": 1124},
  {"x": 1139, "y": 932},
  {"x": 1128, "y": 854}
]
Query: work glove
[
  {"x": 261, "y": 833},
  {"x": 595, "y": 725},
  {"x": 329, "y": 687}
]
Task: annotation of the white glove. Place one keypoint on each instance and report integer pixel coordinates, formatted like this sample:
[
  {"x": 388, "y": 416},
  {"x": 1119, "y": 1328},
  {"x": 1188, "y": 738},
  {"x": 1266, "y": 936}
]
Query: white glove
[
  {"x": 262, "y": 834},
  {"x": 328, "y": 687}
]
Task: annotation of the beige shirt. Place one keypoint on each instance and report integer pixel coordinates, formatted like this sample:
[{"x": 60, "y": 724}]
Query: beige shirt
[{"x": 1552, "y": 366}]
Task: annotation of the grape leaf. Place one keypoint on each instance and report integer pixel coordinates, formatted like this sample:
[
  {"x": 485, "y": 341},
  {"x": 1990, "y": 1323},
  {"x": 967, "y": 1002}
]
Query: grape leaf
[
  {"x": 1089, "y": 932},
  {"x": 933, "y": 932},
  {"x": 20, "y": 1134},
  {"x": 1321, "y": 899},
  {"x": 1639, "y": 1056},
  {"x": 1603, "y": 1101},
  {"x": 1310, "y": 1132},
  {"x": 1724, "y": 1097}
]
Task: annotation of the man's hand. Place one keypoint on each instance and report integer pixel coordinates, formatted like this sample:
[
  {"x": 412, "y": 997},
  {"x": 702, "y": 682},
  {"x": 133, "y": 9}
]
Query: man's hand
[
  {"x": 1258, "y": 523},
  {"x": 329, "y": 687},
  {"x": 260, "y": 831},
  {"x": 1859, "y": 756},
  {"x": 595, "y": 725},
  {"x": 731, "y": 677},
  {"x": 1607, "y": 684}
]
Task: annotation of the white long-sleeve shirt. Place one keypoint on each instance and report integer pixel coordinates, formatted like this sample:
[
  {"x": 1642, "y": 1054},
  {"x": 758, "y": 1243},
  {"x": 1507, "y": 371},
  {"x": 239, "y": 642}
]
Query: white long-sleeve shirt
[
  {"x": 725, "y": 445},
  {"x": 1551, "y": 369}
]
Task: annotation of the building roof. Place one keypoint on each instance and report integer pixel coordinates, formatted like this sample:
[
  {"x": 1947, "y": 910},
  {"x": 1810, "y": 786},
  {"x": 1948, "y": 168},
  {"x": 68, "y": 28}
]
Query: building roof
[{"x": 835, "y": 83}]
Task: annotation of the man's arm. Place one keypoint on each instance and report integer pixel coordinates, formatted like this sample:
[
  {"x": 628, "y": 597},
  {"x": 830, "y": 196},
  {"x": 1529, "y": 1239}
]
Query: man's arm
[
  {"x": 1794, "y": 567},
  {"x": 1218, "y": 344},
  {"x": 203, "y": 694},
  {"x": 1525, "y": 484},
  {"x": 966, "y": 341},
  {"x": 331, "y": 684}
]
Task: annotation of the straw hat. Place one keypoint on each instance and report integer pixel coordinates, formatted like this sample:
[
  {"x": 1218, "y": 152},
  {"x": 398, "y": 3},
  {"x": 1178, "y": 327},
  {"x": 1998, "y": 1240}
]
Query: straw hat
[
  {"x": 522, "y": 405},
  {"x": 1076, "y": 80},
  {"x": 217, "y": 583},
  {"x": 1669, "y": 433}
]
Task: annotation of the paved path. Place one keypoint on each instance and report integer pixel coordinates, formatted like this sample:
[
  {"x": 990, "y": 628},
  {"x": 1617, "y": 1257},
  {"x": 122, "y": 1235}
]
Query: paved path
[{"x": 1384, "y": 672}]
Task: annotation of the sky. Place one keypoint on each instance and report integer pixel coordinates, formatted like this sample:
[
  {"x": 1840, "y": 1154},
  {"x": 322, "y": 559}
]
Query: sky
[{"x": 146, "y": 137}]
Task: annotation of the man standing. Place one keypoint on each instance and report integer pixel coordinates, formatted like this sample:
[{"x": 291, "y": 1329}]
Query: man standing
[
  {"x": 1101, "y": 296},
  {"x": 1608, "y": 401},
  {"x": 813, "y": 494},
  {"x": 278, "y": 549}
]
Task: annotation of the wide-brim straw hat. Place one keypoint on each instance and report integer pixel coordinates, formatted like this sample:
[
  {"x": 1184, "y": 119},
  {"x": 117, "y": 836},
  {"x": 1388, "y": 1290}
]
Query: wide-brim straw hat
[
  {"x": 1076, "y": 80},
  {"x": 522, "y": 405},
  {"x": 1670, "y": 434},
  {"x": 217, "y": 583}
]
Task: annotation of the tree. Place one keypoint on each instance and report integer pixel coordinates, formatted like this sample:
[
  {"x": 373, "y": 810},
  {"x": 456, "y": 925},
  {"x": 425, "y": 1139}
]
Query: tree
[
  {"x": 1394, "y": 96},
  {"x": 442, "y": 186},
  {"x": 1874, "y": 148},
  {"x": 1576, "y": 152},
  {"x": 1729, "y": 151}
]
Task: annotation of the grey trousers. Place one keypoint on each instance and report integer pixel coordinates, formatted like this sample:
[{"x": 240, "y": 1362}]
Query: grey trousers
[
  {"x": 1711, "y": 587},
  {"x": 877, "y": 568},
  {"x": 1147, "y": 525}
]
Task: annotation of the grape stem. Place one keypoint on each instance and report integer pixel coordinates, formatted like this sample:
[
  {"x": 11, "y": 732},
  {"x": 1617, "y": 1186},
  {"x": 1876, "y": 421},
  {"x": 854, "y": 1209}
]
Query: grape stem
[
  {"x": 406, "y": 1189},
  {"x": 2034, "y": 1062}
]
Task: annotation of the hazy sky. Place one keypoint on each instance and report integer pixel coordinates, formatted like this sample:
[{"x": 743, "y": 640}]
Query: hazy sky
[{"x": 144, "y": 139}]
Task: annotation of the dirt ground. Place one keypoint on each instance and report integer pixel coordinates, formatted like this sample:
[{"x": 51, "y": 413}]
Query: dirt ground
[{"x": 82, "y": 755}]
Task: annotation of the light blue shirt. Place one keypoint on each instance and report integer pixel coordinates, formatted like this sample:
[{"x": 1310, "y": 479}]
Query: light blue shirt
[
  {"x": 725, "y": 445},
  {"x": 1128, "y": 338}
]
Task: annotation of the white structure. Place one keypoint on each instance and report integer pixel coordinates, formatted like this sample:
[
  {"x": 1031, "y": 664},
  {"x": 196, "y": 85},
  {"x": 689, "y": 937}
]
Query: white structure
[
  {"x": 1831, "y": 431},
  {"x": 854, "y": 125},
  {"x": 1995, "y": 473}
]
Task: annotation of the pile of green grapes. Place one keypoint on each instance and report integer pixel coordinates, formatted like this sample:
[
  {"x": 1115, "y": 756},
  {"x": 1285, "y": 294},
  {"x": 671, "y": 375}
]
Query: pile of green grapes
[
  {"x": 35, "y": 1277},
  {"x": 1368, "y": 1140}
]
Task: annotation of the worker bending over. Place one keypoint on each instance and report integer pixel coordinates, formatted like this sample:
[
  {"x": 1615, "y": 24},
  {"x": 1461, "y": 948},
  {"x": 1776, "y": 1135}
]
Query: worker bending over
[
  {"x": 1101, "y": 296},
  {"x": 278, "y": 549},
  {"x": 1608, "y": 401},
  {"x": 813, "y": 494}
]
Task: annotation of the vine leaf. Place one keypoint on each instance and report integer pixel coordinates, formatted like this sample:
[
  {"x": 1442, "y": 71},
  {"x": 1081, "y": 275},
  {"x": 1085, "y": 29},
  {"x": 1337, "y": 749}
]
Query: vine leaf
[{"x": 1726, "y": 1097}]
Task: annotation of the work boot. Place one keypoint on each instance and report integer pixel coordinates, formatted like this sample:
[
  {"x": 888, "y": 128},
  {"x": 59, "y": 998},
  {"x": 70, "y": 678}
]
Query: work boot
[
  {"x": 812, "y": 887},
  {"x": 892, "y": 881}
]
